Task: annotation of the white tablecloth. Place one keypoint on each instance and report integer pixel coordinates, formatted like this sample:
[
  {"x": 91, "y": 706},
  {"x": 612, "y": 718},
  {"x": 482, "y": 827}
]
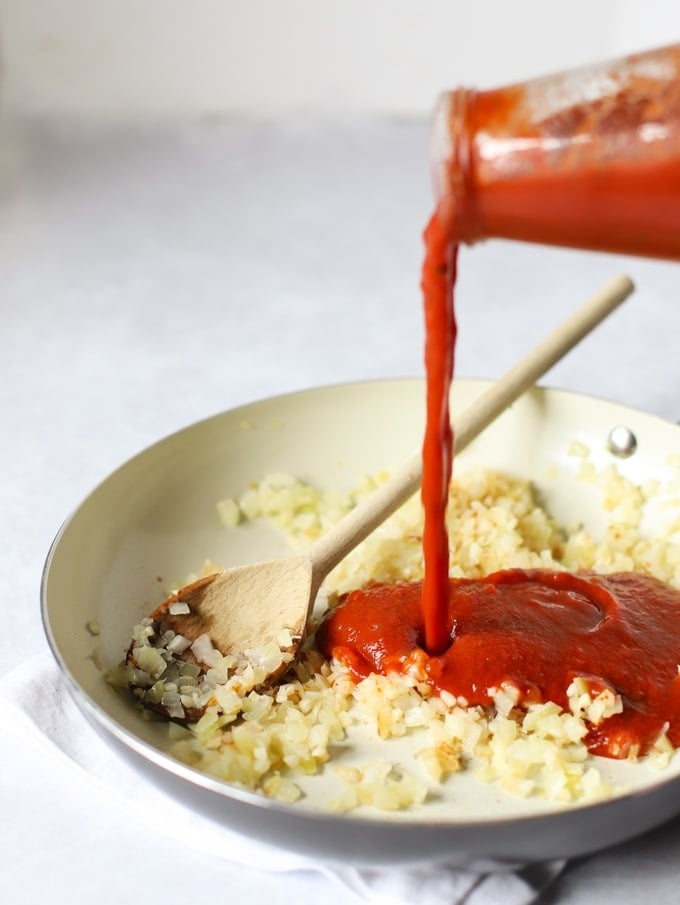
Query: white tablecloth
[{"x": 151, "y": 276}]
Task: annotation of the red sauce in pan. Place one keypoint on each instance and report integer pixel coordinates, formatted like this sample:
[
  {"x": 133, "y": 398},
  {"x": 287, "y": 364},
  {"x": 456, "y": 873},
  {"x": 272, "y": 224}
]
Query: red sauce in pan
[{"x": 537, "y": 630}]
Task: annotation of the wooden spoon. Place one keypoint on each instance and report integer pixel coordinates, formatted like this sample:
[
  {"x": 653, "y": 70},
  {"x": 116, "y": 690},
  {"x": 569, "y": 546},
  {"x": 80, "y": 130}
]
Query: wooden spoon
[{"x": 247, "y": 607}]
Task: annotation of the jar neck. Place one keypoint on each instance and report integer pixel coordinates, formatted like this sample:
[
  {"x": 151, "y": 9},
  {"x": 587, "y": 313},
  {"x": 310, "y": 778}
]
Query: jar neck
[{"x": 452, "y": 165}]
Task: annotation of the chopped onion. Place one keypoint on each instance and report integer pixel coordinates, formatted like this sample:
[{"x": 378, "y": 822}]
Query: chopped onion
[
  {"x": 172, "y": 703},
  {"x": 179, "y": 608},
  {"x": 178, "y": 645},
  {"x": 204, "y": 652},
  {"x": 151, "y": 660}
]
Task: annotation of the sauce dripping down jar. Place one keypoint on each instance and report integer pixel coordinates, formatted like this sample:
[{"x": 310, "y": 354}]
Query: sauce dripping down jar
[{"x": 588, "y": 158}]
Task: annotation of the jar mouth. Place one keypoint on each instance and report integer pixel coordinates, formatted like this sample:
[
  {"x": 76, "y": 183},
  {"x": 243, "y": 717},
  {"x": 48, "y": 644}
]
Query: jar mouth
[{"x": 451, "y": 163}]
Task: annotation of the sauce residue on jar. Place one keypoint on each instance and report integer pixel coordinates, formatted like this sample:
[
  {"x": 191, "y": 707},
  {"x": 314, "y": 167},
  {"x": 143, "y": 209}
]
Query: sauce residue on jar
[
  {"x": 536, "y": 630},
  {"x": 589, "y": 158}
]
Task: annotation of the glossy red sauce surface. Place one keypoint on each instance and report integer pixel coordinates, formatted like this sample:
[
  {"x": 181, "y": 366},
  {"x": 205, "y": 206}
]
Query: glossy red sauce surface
[{"x": 537, "y": 630}]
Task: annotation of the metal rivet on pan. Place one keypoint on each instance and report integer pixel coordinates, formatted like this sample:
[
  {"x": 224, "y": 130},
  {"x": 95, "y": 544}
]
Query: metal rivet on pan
[{"x": 621, "y": 442}]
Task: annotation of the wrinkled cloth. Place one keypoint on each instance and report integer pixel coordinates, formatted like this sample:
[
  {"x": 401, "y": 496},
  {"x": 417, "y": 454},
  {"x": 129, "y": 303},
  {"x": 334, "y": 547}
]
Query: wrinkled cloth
[{"x": 38, "y": 707}]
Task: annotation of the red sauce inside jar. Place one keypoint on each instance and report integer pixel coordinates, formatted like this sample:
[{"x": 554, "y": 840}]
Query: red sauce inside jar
[{"x": 584, "y": 159}]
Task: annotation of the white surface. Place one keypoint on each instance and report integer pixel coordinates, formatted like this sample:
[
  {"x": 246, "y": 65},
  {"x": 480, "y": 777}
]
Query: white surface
[
  {"x": 152, "y": 277},
  {"x": 170, "y": 57},
  {"x": 35, "y": 692}
]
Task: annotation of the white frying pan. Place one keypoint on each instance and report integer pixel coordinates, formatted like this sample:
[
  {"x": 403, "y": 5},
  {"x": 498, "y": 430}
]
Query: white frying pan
[{"x": 155, "y": 517}]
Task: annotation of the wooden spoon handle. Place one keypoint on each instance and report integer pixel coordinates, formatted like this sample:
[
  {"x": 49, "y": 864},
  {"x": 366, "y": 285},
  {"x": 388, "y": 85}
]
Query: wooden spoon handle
[{"x": 329, "y": 550}]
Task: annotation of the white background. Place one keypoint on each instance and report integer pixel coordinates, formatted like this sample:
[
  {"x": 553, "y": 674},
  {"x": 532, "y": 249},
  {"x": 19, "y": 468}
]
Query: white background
[{"x": 169, "y": 57}]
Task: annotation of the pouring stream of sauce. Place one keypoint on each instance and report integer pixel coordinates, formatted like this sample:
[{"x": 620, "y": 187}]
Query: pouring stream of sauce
[
  {"x": 438, "y": 281},
  {"x": 536, "y": 630}
]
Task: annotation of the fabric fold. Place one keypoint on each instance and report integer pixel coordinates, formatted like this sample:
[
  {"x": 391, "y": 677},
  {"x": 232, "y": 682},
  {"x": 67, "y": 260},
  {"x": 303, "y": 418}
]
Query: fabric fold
[{"x": 40, "y": 710}]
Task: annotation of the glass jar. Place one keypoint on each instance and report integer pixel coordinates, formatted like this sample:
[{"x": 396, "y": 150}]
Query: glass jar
[{"x": 588, "y": 158}]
